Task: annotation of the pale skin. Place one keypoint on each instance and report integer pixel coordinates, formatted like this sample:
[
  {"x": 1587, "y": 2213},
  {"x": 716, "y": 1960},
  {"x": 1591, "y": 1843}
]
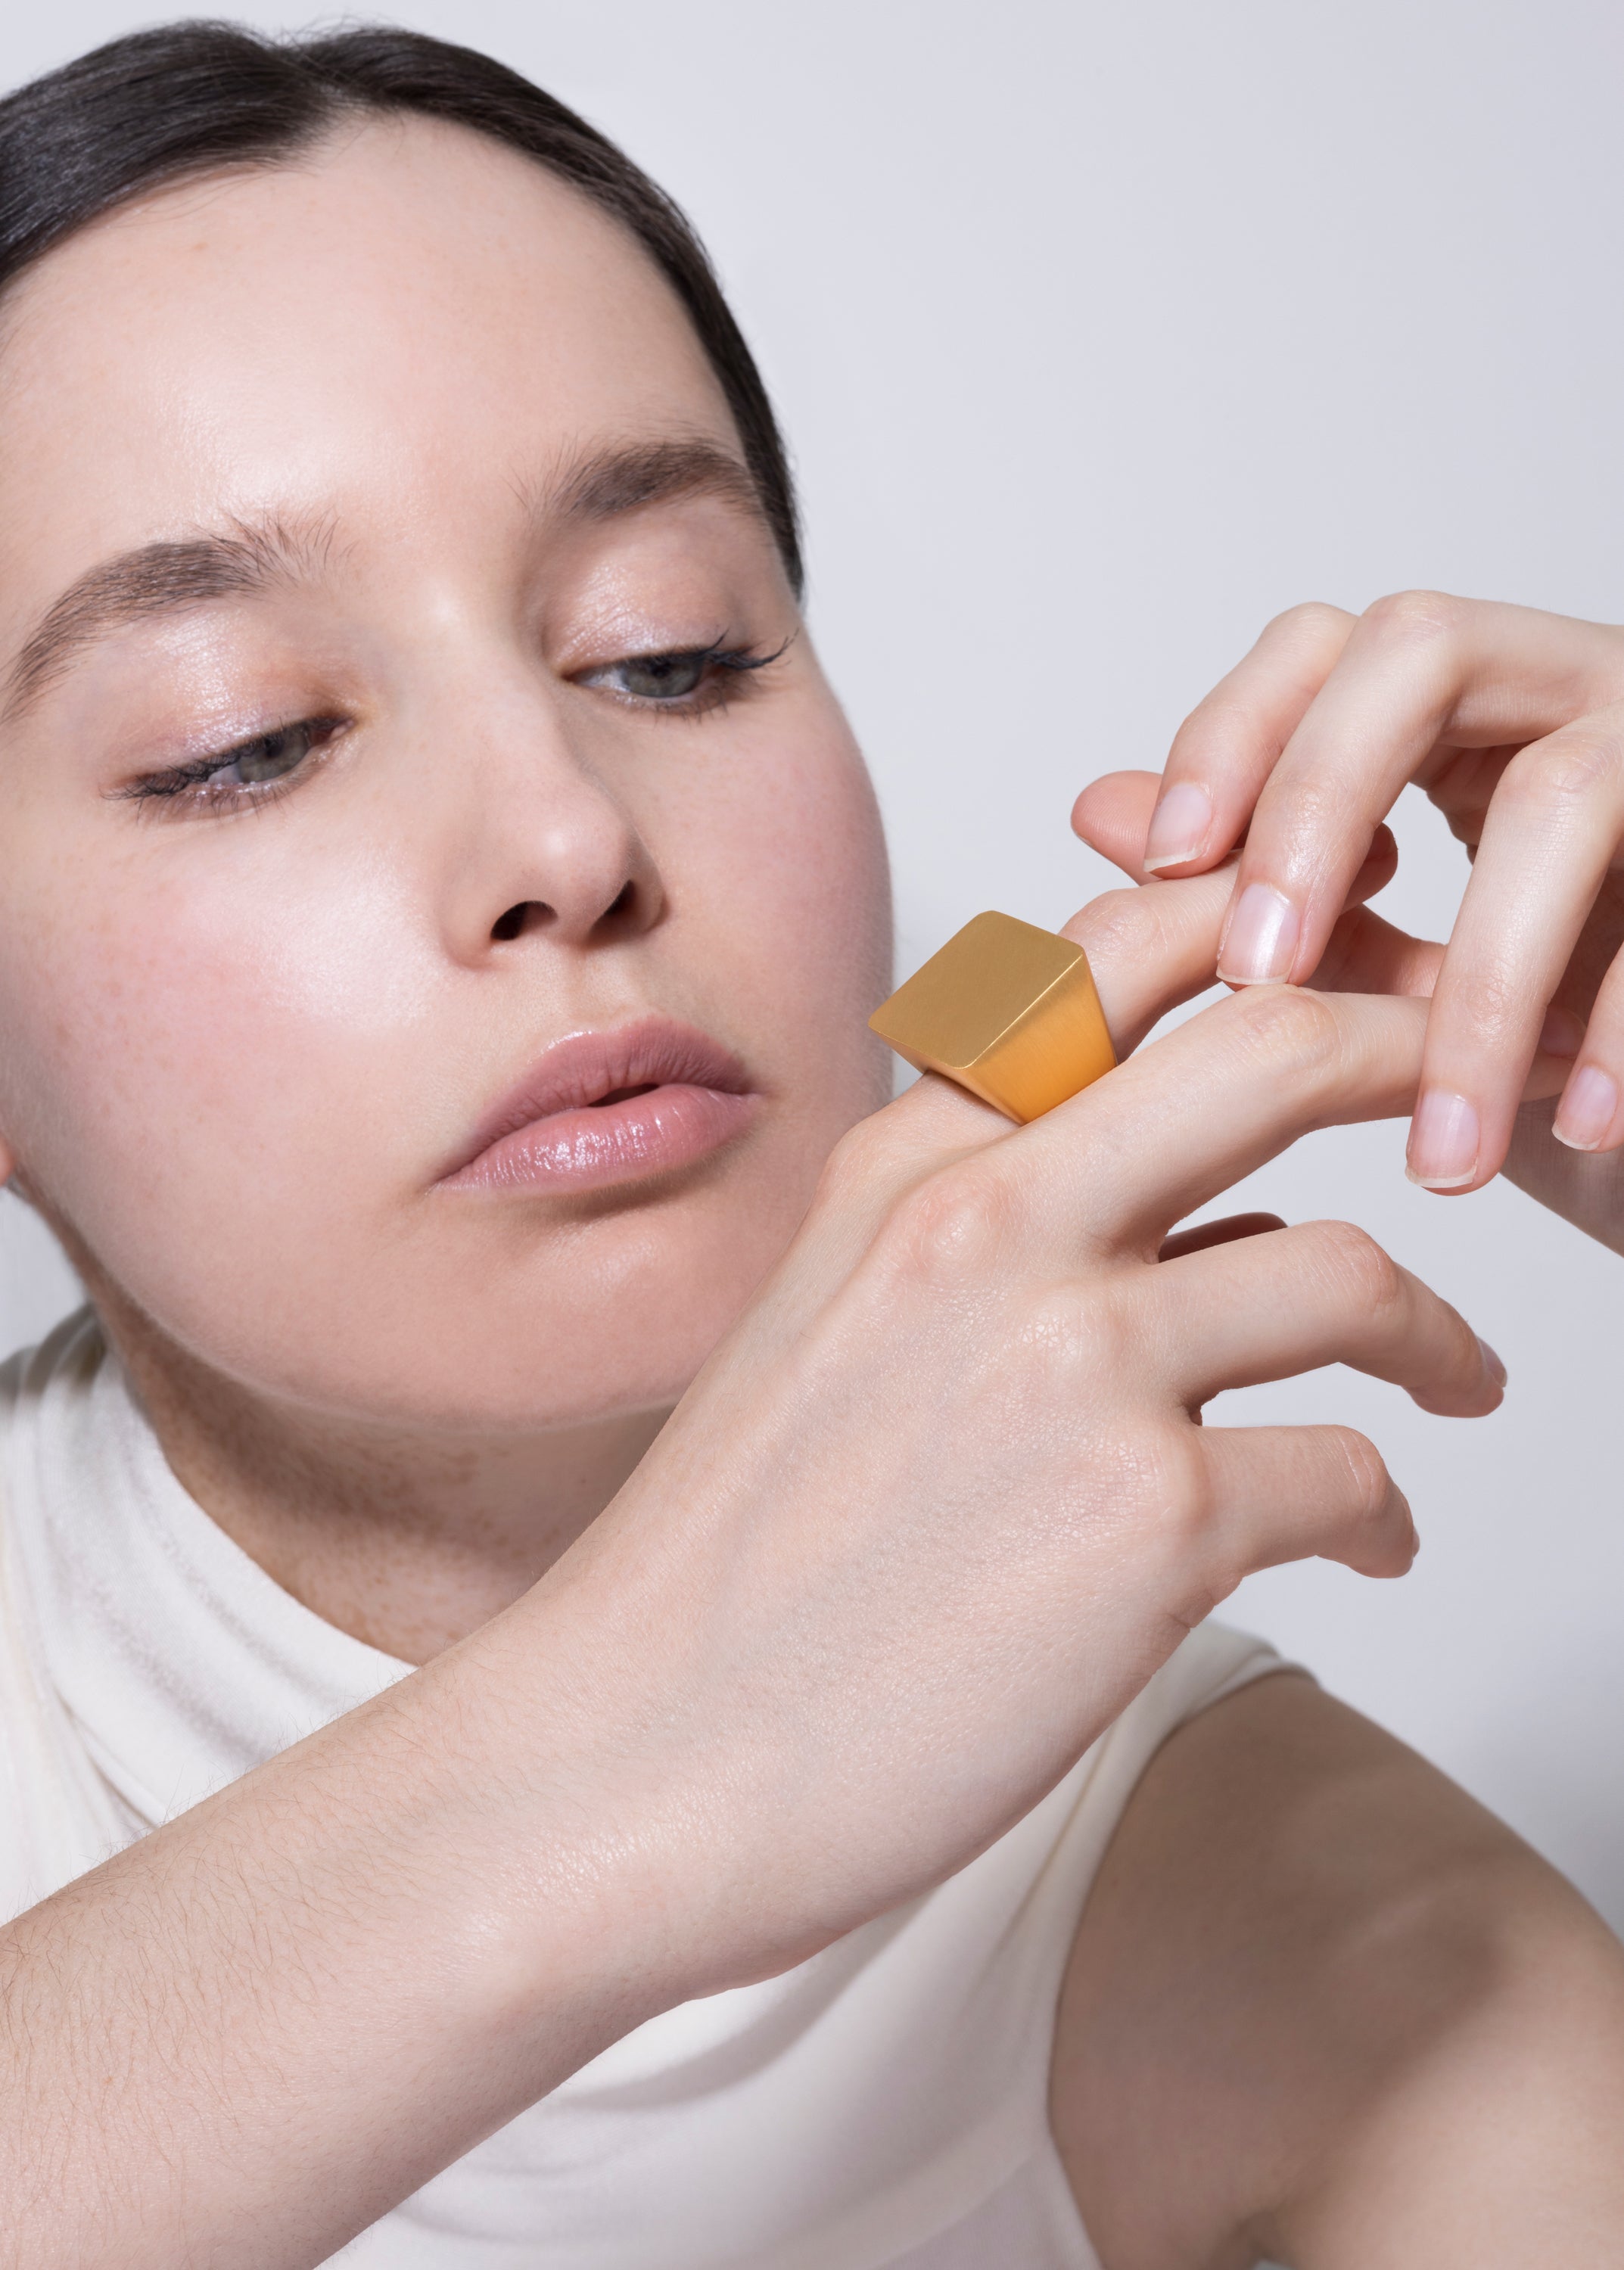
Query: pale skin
[
  {"x": 1512, "y": 722},
  {"x": 929, "y": 1379}
]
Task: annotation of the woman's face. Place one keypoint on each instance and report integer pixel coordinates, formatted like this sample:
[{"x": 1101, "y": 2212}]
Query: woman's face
[{"x": 386, "y": 774}]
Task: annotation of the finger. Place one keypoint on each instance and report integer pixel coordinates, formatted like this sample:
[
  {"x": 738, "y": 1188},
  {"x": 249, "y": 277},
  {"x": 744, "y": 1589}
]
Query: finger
[
  {"x": 1150, "y": 948},
  {"x": 1208, "y": 1234},
  {"x": 1460, "y": 784},
  {"x": 1153, "y": 947},
  {"x": 1324, "y": 1292},
  {"x": 1549, "y": 838},
  {"x": 1229, "y": 744},
  {"x": 1280, "y": 1494},
  {"x": 1367, "y": 955},
  {"x": 1590, "y": 1114},
  {"x": 1112, "y": 816},
  {"x": 1112, "y": 813},
  {"x": 1203, "y": 1105},
  {"x": 1417, "y": 670}
]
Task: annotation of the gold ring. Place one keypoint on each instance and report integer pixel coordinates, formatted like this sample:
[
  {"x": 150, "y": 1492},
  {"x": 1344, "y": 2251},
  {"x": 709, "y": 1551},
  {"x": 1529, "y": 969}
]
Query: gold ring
[{"x": 1006, "y": 1010}]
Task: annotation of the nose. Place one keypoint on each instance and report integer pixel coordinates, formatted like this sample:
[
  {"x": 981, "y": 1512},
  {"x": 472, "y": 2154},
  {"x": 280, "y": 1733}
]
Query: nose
[{"x": 551, "y": 849}]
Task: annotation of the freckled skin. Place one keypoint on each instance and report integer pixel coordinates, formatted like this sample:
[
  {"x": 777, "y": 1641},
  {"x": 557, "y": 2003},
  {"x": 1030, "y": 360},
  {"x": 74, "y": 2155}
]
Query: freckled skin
[{"x": 240, "y": 1046}]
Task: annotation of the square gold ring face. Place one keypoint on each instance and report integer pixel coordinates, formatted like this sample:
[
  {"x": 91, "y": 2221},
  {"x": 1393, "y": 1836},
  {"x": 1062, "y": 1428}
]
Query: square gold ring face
[{"x": 1006, "y": 1010}]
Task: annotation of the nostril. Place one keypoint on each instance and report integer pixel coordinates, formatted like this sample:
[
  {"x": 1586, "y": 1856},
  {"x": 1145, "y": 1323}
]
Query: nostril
[
  {"x": 518, "y": 919},
  {"x": 623, "y": 905}
]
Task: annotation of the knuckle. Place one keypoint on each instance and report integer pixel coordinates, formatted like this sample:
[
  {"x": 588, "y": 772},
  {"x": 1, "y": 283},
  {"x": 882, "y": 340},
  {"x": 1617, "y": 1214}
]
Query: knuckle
[
  {"x": 1369, "y": 1488},
  {"x": 1489, "y": 1006},
  {"x": 1290, "y": 1029},
  {"x": 1309, "y": 807},
  {"x": 1416, "y": 618},
  {"x": 943, "y": 1234},
  {"x": 1570, "y": 768},
  {"x": 1361, "y": 1270},
  {"x": 1311, "y": 622},
  {"x": 1120, "y": 926},
  {"x": 1213, "y": 717},
  {"x": 852, "y": 1166}
]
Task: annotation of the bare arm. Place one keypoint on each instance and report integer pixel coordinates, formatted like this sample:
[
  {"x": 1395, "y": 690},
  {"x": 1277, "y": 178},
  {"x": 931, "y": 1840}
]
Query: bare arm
[
  {"x": 924, "y": 1524},
  {"x": 1324, "y": 2008},
  {"x": 255, "y": 2031}
]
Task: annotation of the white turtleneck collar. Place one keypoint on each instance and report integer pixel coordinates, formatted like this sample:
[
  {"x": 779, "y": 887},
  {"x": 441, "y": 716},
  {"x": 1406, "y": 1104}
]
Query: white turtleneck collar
[{"x": 179, "y": 1663}]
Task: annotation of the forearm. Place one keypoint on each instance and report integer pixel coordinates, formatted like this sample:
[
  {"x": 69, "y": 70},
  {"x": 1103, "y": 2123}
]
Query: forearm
[{"x": 245, "y": 2038}]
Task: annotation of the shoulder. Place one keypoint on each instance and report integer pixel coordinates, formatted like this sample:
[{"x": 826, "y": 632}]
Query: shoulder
[{"x": 1314, "y": 1975}]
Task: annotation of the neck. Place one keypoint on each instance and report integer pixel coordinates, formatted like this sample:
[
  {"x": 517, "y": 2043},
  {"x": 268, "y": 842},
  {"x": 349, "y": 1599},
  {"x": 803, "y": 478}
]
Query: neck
[{"x": 409, "y": 1541}]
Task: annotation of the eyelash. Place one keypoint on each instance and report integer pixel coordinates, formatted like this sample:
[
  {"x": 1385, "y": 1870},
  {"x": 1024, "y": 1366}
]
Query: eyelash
[
  {"x": 199, "y": 784},
  {"x": 718, "y": 664}
]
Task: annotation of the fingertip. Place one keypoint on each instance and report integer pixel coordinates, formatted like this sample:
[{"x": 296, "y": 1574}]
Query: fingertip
[
  {"x": 1393, "y": 1553},
  {"x": 1408, "y": 1541},
  {"x": 1259, "y": 942},
  {"x": 1114, "y": 796},
  {"x": 1493, "y": 1364},
  {"x": 1182, "y": 827},
  {"x": 1588, "y": 1115},
  {"x": 1445, "y": 1150},
  {"x": 1562, "y": 1033}
]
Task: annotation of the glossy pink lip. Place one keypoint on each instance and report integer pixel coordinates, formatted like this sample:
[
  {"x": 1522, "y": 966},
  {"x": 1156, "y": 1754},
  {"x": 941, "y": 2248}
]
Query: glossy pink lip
[{"x": 555, "y": 1131}]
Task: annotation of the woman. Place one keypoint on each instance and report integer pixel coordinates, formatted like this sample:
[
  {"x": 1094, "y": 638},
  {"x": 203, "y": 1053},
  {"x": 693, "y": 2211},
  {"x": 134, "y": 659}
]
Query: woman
[{"x": 441, "y": 907}]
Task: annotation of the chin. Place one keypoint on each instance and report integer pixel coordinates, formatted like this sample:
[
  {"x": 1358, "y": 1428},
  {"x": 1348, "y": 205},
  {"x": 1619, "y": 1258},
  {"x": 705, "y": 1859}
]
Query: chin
[{"x": 532, "y": 1333}]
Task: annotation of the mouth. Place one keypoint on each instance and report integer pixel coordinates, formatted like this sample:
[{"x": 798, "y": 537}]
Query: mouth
[{"x": 600, "y": 1108}]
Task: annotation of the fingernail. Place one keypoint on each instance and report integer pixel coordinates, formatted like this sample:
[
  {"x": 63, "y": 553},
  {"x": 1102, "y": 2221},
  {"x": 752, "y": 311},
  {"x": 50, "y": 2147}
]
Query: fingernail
[
  {"x": 1562, "y": 1034},
  {"x": 1443, "y": 1141},
  {"x": 1179, "y": 827},
  {"x": 1589, "y": 1107},
  {"x": 1491, "y": 1363},
  {"x": 1263, "y": 937}
]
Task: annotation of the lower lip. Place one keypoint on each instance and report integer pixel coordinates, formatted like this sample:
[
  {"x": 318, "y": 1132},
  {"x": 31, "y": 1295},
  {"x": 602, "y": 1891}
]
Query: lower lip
[{"x": 592, "y": 1149}]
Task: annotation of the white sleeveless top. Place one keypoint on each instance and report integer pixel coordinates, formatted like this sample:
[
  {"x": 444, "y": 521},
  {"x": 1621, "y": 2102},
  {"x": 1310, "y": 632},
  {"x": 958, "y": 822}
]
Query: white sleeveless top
[{"x": 882, "y": 2107}]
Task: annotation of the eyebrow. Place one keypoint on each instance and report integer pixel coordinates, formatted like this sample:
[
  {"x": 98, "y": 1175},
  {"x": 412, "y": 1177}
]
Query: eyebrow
[
  {"x": 173, "y": 578},
  {"x": 613, "y": 481},
  {"x": 156, "y": 580}
]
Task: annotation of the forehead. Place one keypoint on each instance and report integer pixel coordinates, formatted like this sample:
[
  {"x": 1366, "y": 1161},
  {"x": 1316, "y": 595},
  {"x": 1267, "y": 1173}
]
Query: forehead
[{"x": 408, "y": 320}]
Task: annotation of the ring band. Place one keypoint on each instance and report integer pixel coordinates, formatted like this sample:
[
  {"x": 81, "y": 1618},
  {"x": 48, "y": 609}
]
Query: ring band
[{"x": 1006, "y": 1010}]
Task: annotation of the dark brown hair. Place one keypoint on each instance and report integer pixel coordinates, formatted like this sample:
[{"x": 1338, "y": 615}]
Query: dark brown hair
[{"x": 194, "y": 99}]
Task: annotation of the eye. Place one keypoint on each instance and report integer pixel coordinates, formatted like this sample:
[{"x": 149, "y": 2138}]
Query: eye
[
  {"x": 269, "y": 758},
  {"x": 660, "y": 676},
  {"x": 687, "y": 681},
  {"x": 236, "y": 775}
]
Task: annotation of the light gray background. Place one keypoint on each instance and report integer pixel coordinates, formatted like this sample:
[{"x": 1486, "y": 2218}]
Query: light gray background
[{"x": 1102, "y": 334}]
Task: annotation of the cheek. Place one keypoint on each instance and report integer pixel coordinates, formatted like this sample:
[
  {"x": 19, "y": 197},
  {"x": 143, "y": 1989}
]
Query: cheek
[
  {"x": 220, "y": 1069},
  {"x": 184, "y": 1042},
  {"x": 781, "y": 870}
]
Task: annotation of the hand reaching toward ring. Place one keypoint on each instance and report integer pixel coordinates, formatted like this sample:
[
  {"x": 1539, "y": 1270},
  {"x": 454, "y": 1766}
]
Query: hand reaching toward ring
[{"x": 1513, "y": 722}]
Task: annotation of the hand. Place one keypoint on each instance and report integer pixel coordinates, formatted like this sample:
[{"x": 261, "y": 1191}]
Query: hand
[
  {"x": 928, "y": 1518},
  {"x": 942, "y": 1502},
  {"x": 1513, "y": 722}
]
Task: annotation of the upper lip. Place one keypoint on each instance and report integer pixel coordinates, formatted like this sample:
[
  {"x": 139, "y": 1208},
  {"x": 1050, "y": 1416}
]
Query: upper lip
[{"x": 583, "y": 1068}]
